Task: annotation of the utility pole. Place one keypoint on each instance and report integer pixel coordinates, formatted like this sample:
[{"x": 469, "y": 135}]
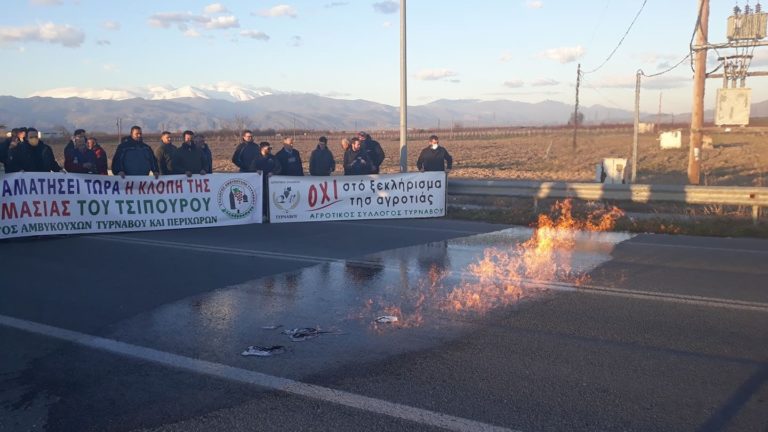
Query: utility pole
[
  {"x": 403, "y": 94},
  {"x": 637, "y": 127},
  {"x": 699, "y": 78},
  {"x": 576, "y": 110}
]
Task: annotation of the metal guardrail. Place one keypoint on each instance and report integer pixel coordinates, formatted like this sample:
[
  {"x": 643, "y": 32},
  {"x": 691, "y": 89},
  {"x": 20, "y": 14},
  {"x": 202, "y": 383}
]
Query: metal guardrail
[{"x": 755, "y": 197}]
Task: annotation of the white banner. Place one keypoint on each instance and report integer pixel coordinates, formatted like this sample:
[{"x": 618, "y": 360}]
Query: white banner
[
  {"x": 386, "y": 196},
  {"x": 34, "y": 204}
]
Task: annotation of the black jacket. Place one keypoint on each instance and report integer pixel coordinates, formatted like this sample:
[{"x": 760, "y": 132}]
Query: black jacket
[
  {"x": 42, "y": 159},
  {"x": 375, "y": 153},
  {"x": 189, "y": 158},
  {"x": 244, "y": 155},
  {"x": 16, "y": 155},
  {"x": 290, "y": 162},
  {"x": 357, "y": 163},
  {"x": 164, "y": 156},
  {"x": 321, "y": 162},
  {"x": 134, "y": 158},
  {"x": 434, "y": 160},
  {"x": 266, "y": 164}
]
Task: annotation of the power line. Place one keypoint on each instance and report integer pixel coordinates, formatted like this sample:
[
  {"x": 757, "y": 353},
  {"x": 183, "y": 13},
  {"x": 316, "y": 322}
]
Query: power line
[
  {"x": 620, "y": 40},
  {"x": 670, "y": 69}
]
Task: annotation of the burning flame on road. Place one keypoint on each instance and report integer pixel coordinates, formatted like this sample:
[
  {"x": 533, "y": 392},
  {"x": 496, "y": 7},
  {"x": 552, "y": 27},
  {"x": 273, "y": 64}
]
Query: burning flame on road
[{"x": 504, "y": 277}]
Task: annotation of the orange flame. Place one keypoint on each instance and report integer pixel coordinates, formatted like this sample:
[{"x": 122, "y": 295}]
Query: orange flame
[{"x": 501, "y": 278}]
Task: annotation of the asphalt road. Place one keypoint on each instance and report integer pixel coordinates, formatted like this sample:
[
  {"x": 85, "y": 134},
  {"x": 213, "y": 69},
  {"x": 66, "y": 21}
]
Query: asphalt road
[{"x": 143, "y": 332}]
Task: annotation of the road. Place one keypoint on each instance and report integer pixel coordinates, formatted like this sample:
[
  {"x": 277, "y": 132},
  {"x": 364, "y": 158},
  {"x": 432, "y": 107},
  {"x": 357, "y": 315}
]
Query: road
[{"x": 143, "y": 332}]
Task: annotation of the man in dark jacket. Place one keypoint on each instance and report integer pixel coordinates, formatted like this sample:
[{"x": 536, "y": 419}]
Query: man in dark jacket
[
  {"x": 99, "y": 154},
  {"x": 70, "y": 147},
  {"x": 189, "y": 158},
  {"x": 290, "y": 159},
  {"x": 15, "y": 152},
  {"x": 321, "y": 161},
  {"x": 356, "y": 161},
  {"x": 133, "y": 157},
  {"x": 199, "y": 141},
  {"x": 245, "y": 152},
  {"x": 268, "y": 165},
  {"x": 372, "y": 149},
  {"x": 434, "y": 157},
  {"x": 78, "y": 159},
  {"x": 164, "y": 153},
  {"x": 41, "y": 154}
]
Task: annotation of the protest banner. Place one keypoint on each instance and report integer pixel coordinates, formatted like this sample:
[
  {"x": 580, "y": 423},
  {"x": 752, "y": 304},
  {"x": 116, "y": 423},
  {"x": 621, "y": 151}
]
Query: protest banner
[
  {"x": 33, "y": 204},
  {"x": 386, "y": 196}
]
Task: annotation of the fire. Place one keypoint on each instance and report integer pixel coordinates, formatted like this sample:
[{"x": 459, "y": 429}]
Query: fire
[{"x": 505, "y": 277}]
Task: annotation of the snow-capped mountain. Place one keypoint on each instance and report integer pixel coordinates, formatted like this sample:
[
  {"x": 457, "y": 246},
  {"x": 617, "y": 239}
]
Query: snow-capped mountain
[{"x": 227, "y": 91}]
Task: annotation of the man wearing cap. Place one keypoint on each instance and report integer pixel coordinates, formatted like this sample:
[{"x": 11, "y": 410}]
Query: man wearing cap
[
  {"x": 15, "y": 152},
  {"x": 290, "y": 159},
  {"x": 245, "y": 152},
  {"x": 164, "y": 153},
  {"x": 134, "y": 157},
  {"x": 321, "y": 161},
  {"x": 372, "y": 149},
  {"x": 434, "y": 157}
]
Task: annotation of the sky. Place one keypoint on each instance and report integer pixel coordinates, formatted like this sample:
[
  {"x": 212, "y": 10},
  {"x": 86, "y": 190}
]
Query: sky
[{"x": 522, "y": 50}]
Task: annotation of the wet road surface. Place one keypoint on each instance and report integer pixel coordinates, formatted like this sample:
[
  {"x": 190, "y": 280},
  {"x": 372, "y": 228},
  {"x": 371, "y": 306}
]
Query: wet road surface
[{"x": 144, "y": 331}]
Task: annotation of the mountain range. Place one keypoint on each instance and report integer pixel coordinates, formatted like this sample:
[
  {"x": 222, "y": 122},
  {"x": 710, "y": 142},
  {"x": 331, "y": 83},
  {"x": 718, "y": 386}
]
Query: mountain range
[{"x": 223, "y": 105}]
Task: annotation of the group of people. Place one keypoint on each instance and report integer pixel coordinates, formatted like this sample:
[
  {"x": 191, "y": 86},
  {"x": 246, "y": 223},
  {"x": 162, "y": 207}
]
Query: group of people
[
  {"x": 362, "y": 155},
  {"x": 24, "y": 150}
]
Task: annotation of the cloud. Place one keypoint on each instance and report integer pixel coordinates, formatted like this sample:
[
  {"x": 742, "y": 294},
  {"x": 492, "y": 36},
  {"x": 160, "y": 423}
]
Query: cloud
[
  {"x": 433, "y": 74},
  {"x": 336, "y": 94},
  {"x": 223, "y": 22},
  {"x": 192, "y": 33},
  {"x": 61, "y": 34},
  {"x": 335, "y": 4},
  {"x": 111, "y": 25},
  {"x": 180, "y": 19},
  {"x": 534, "y": 4},
  {"x": 278, "y": 11},
  {"x": 563, "y": 55},
  {"x": 254, "y": 34},
  {"x": 514, "y": 83},
  {"x": 386, "y": 7},
  {"x": 455, "y": 81},
  {"x": 544, "y": 82},
  {"x": 506, "y": 56},
  {"x": 103, "y": 42},
  {"x": 110, "y": 67},
  {"x": 386, "y": 24},
  {"x": 46, "y": 2},
  {"x": 296, "y": 41},
  {"x": 214, "y": 8}
]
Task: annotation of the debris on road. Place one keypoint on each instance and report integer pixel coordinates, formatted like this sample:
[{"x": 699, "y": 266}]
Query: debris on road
[
  {"x": 271, "y": 327},
  {"x": 304, "y": 333},
  {"x": 259, "y": 351},
  {"x": 386, "y": 319}
]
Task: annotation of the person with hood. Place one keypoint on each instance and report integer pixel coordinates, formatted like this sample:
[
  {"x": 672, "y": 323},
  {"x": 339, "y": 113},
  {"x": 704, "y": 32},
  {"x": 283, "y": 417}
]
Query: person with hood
[
  {"x": 290, "y": 159},
  {"x": 79, "y": 159},
  {"x": 164, "y": 153},
  {"x": 321, "y": 161},
  {"x": 134, "y": 157},
  {"x": 15, "y": 152},
  {"x": 42, "y": 159},
  {"x": 99, "y": 154},
  {"x": 245, "y": 152},
  {"x": 189, "y": 158},
  {"x": 357, "y": 161},
  {"x": 372, "y": 149},
  {"x": 434, "y": 157}
]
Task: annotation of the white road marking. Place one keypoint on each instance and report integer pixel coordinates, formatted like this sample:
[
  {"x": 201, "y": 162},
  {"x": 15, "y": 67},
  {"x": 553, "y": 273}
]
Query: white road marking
[
  {"x": 550, "y": 285},
  {"x": 203, "y": 367},
  {"x": 706, "y": 248}
]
